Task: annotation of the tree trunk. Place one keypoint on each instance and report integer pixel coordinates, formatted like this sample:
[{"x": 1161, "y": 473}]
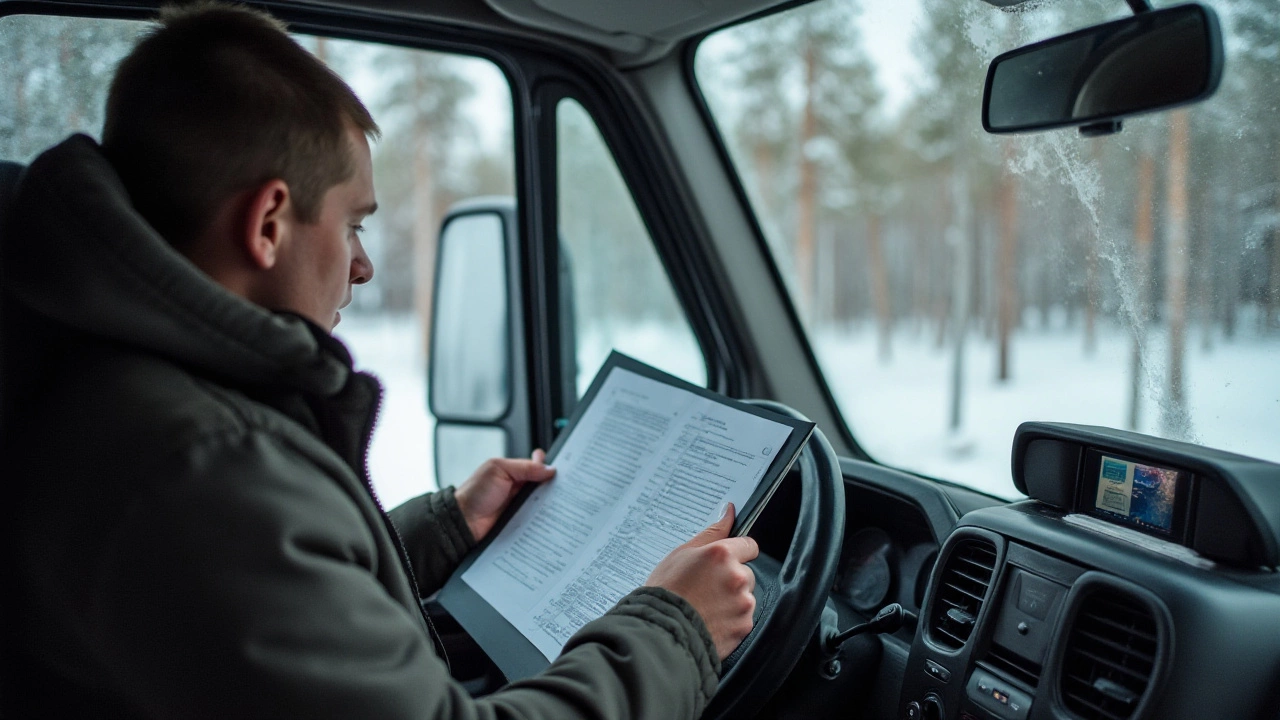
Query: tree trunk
[
  {"x": 806, "y": 209},
  {"x": 879, "y": 284},
  {"x": 960, "y": 240},
  {"x": 921, "y": 268},
  {"x": 824, "y": 284},
  {"x": 425, "y": 222},
  {"x": 1271, "y": 316},
  {"x": 1090, "y": 292},
  {"x": 19, "y": 100},
  {"x": 64, "y": 56},
  {"x": 1006, "y": 265},
  {"x": 941, "y": 283},
  {"x": 1143, "y": 234},
  {"x": 1175, "y": 420},
  {"x": 1271, "y": 301},
  {"x": 763, "y": 157},
  {"x": 1228, "y": 285},
  {"x": 1204, "y": 288}
]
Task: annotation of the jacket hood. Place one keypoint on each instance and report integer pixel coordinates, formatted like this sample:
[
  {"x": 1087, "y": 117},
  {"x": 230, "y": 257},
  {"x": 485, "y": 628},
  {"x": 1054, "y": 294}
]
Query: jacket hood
[{"x": 78, "y": 254}]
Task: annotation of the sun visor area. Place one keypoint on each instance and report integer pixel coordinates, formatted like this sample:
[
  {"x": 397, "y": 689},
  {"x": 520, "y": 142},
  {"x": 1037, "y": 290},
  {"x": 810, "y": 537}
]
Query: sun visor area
[{"x": 635, "y": 32}]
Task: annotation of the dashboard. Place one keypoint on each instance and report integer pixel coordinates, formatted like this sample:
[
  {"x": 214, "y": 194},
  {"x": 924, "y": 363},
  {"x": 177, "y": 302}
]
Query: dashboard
[{"x": 1138, "y": 582}]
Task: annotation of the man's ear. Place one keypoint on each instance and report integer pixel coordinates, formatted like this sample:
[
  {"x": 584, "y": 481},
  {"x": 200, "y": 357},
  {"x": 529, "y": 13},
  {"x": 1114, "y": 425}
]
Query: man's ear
[{"x": 267, "y": 223}]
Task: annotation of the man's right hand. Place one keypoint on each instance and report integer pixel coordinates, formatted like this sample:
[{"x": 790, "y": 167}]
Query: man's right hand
[{"x": 710, "y": 573}]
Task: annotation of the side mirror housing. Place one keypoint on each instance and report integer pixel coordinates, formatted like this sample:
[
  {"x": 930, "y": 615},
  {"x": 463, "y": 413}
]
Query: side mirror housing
[{"x": 476, "y": 388}]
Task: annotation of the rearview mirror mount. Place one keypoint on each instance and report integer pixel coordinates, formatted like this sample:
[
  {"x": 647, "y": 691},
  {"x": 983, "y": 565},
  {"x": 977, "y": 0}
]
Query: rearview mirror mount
[{"x": 1095, "y": 77}]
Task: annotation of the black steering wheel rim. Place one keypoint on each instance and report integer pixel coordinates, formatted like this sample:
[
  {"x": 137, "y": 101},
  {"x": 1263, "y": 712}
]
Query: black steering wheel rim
[{"x": 780, "y": 635}]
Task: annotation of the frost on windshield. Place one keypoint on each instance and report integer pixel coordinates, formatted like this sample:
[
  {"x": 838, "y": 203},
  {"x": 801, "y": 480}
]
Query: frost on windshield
[{"x": 956, "y": 283}]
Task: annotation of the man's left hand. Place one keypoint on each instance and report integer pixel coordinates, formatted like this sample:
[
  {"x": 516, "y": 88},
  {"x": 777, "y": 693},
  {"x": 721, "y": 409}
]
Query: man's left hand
[{"x": 489, "y": 490}]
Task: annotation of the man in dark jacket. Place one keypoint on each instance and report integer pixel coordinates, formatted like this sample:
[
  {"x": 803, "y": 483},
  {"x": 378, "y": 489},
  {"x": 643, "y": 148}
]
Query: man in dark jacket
[{"x": 195, "y": 534}]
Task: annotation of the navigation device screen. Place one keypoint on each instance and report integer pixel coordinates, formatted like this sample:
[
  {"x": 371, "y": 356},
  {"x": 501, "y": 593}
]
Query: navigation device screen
[{"x": 1137, "y": 494}]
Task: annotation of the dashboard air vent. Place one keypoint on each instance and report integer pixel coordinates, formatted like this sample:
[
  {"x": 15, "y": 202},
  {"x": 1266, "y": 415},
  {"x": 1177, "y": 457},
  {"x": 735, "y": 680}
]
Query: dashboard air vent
[
  {"x": 1110, "y": 656},
  {"x": 962, "y": 586},
  {"x": 1014, "y": 665}
]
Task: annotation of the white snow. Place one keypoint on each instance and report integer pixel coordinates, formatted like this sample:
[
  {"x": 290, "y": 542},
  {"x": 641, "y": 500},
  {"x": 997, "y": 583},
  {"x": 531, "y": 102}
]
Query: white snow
[
  {"x": 898, "y": 410},
  {"x": 401, "y": 458}
]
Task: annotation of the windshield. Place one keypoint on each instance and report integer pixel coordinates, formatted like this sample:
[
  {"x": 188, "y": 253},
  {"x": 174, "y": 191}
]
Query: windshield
[{"x": 955, "y": 284}]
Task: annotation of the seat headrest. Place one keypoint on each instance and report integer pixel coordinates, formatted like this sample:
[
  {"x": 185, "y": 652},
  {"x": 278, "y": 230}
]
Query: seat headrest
[{"x": 10, "y": 172}]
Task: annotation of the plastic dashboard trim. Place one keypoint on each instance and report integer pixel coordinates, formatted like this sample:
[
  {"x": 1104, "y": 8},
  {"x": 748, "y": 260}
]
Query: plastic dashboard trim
[{"x": 934, "y": 504}]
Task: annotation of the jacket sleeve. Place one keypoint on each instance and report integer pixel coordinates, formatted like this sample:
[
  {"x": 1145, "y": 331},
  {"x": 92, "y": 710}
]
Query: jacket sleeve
[
  {"x": 435, "y": 536},
  {"x": 248, "y": 587}
]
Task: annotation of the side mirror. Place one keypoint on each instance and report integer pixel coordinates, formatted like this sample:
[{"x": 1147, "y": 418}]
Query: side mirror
[
  {"x": 479, "y": 390},
  {"x": 471, "y": 340},
  {"x": 475, "y": 391},
  {"x": 1095, "y": 77}
]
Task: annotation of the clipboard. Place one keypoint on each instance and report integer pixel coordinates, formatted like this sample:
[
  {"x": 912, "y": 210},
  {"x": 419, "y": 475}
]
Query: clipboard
[{"x": 510, "y": 649}]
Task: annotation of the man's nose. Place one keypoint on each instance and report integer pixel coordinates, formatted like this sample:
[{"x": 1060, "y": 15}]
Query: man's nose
[{"x": 361, "y": 266}]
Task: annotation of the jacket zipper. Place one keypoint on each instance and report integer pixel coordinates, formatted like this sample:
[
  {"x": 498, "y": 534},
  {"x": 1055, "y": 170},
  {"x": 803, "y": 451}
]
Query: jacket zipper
[{"x": 365, "y": 440}]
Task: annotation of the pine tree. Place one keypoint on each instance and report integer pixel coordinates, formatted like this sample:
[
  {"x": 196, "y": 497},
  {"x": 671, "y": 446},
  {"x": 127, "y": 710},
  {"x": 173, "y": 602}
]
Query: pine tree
[
  {"x": 422, "y": 127},
  {"x": 807, "y": 105},
  {"x": 55, "y": 78}
]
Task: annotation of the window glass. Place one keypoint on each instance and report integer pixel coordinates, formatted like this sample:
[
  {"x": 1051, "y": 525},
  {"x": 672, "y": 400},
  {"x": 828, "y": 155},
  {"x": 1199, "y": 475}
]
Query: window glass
[
  {"x": 460, "y": 449},
  {"x": 954, "y": 283},
  {"x": 54, "y": 72},
  {"x": 446, "y": 124},
  {"x": 622, "y": 297}
]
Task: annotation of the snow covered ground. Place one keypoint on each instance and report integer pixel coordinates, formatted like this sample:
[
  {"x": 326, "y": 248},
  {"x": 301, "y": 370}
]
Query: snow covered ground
[
  {"x": 898, "y": 409},
  {"x": 401, "y": 458}
]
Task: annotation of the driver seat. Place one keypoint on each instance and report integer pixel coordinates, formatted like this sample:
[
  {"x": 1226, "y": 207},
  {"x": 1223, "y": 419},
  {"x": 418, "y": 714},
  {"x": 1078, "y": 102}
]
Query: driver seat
[{"x": 10, "y": 175}]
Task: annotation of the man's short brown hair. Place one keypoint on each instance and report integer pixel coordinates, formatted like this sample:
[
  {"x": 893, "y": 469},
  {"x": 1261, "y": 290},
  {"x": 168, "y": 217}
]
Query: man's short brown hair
[{"x": 219, "y": 99}]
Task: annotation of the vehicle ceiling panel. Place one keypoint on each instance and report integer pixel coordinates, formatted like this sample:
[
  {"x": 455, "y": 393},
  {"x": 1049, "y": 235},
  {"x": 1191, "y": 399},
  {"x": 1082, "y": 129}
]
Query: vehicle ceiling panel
[{"x": 639, "y": 30}]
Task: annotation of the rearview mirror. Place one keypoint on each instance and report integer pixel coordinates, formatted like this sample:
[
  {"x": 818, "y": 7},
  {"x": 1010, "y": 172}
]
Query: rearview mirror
[{"x": 1096, "y": 76}]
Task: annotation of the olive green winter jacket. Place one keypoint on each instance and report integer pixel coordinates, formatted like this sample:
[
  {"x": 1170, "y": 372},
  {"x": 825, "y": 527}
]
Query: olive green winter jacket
[{"x": 195, "y": 531}]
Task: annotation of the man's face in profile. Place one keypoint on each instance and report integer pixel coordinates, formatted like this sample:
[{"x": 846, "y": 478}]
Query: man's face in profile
[{"x": 323, "y": 260}]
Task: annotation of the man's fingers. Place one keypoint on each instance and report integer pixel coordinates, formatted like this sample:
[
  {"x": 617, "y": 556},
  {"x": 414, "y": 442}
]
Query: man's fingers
[
  {"x": 539, "y": 456},
  {"x": 751, "y": 580},
  {"x": 525, "y": 470},
  {"x": 718, "y": 530},
  {"x": 742, "y": 548}
]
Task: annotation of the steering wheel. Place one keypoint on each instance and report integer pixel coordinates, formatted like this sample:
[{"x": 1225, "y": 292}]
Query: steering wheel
[{"x": 790, "y": 594}]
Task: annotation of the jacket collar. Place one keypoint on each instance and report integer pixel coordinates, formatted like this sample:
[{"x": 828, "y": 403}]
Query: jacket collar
[{"x": 77, "y": 253}]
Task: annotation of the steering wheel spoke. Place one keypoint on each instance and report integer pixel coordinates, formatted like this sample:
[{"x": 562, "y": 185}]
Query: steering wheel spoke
[{"x": 791, "y": 592}]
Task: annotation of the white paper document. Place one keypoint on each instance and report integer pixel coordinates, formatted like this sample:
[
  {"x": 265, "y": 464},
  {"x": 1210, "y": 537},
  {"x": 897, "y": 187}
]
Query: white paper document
[{"x": 646, "y": 467}]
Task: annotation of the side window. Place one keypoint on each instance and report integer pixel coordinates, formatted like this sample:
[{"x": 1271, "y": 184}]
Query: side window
[
  {"x": 54, "y": 74},
  {"x": 622, "y": 296},
  {"x": 446, "y": 136}
]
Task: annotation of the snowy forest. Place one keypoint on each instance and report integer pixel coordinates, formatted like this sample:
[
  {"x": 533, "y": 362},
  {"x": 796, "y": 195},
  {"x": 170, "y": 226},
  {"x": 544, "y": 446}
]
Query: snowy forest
[
  {"x": 903, "y": 226},
  {"x": 924, "y": 256}
]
